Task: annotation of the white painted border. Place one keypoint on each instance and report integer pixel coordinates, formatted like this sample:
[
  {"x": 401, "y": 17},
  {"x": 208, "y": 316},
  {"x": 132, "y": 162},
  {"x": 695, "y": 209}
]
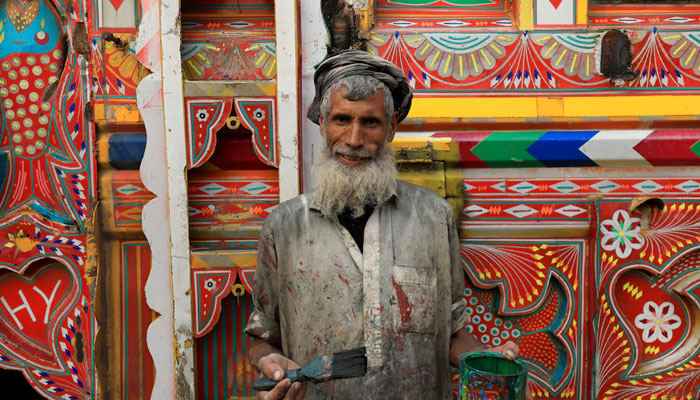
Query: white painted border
[
  {"x": 314, "y": 38},
  {"x": 286, "y": 33},
  {"x": 176, "y": 153}
]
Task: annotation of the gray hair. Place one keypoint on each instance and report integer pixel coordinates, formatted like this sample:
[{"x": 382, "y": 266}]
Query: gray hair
[{"x": 359, "y": 87}]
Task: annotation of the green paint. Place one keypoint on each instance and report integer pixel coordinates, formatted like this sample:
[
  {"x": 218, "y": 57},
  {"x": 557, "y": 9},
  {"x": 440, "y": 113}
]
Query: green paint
[
  {"x": 487, "y": 375},
  {"x": 508, "y": 149},
  {"x": 696, "y": 148},
  {"x": 206, "y": 366},
  {"x": 224, "y": 347},
  {"x": 215, "y": 355}
]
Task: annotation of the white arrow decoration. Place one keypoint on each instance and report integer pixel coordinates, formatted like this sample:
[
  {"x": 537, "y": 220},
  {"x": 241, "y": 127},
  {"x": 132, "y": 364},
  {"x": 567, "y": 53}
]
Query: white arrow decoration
[{"x": 615, "y": 148}]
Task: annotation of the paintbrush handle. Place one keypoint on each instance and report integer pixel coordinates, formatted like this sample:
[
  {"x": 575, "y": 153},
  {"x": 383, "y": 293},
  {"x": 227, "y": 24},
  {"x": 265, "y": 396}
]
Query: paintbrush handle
[{"x": 265, "y": 384}]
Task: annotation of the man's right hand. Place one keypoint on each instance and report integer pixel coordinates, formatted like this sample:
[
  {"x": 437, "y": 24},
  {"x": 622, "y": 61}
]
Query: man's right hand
[{"x": 272, "y": 366}]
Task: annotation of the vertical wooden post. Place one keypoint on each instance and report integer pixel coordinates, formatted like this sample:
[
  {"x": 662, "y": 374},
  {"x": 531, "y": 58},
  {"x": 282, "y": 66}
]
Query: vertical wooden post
[
  {"x": 165, "y": 220},
  {"x": 287, "y": 36}
]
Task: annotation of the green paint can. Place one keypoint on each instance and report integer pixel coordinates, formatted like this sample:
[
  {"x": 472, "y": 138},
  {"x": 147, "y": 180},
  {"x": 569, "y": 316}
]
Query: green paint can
[{"x": 490, "y": 376}]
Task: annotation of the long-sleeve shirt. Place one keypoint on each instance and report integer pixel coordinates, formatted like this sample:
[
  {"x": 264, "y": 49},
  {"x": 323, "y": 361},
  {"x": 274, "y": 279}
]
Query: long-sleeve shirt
[{"x": 402, "y": 298}]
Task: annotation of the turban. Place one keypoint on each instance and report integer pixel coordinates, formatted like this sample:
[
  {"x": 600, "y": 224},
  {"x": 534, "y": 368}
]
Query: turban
[{"x": 357, "y": 62}]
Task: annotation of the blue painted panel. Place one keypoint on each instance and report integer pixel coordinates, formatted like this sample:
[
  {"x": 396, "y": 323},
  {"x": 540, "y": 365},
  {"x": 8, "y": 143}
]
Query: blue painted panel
[{"x": 126, "y": 150}]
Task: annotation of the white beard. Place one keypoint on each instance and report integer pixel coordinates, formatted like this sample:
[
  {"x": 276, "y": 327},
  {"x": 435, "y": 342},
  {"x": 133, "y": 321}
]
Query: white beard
[{"x": 344, "y": 187}]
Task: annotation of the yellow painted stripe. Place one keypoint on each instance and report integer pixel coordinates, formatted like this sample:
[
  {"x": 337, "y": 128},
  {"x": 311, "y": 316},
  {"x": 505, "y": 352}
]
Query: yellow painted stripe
[
  {"x": 550, "y": 49},
  {"x": 506, "y": 38},
  {"x": 496, "y": 49},
  {"x": 483, "y": 53},
  {"x": 418, "y": 39},
  {"x": 212, "y": 47},
  {"x": 672, "y": 37},
  {"x": 253, "y": 47},
  {"x": 378, "y": 39},
  {"x": 588, "y": 65},
  {"x": 476, "y": 67},
  {"x": 680, "y": 47},
  {"x": 447, "y": 64},
  {"x": 371, "y": 51},
  {"x": 615, "y": 107},
  {"x": 194, "y": 67},
  {"x": 573, "y": 63},
  {"x": 461, "y": 66},
  {"x": 560, "y": 57},
  {"x": 542, "y": 39},
  {"x": 437, "y": 54},
  {"x": 687, "y": 60},
  {"x": 273, "y": 64},
  {"x": 427, "y": 45},
  {"x": 259, "y": 61}
]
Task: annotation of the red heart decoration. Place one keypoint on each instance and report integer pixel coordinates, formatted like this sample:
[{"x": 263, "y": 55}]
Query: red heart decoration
[{"x": 31, "y": 309}]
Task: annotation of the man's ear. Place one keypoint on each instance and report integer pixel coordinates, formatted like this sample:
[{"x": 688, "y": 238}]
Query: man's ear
[
  {"x": 392, "y": 128},
  {"x": 320, "y": 123}
]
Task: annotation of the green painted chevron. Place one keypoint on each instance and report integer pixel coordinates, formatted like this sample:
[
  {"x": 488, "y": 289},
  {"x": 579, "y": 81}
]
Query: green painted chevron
[
  {"x": 508, "y": 149},
  {"x": 696, "y": 148}
]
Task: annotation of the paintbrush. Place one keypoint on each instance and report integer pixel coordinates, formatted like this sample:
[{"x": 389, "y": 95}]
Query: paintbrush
[{"x": 341, "y": 365}]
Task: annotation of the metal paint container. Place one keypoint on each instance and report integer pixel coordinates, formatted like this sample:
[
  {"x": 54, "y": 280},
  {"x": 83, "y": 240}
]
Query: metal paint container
[{"x": 490, "y": 376}]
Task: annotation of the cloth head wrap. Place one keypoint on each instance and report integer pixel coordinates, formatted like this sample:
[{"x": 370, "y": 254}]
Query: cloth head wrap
[{"x": 357, "y": 62}]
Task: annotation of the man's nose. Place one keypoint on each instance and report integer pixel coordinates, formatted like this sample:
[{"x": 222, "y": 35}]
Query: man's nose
[{"x": 355, "y": 137}]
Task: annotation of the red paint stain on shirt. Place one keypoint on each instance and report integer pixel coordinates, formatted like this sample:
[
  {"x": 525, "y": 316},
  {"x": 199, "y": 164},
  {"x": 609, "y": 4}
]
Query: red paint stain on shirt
[
  {"x": 405, "y": 308},
  {"x": 344, "y": 280}
]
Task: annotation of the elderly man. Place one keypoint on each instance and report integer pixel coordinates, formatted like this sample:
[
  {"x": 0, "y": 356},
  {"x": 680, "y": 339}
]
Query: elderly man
[{"x": 365, "y": 260}]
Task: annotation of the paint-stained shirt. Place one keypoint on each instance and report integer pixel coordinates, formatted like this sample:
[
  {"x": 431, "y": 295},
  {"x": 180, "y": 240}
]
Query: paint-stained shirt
[{"x": 402, "y": 297}]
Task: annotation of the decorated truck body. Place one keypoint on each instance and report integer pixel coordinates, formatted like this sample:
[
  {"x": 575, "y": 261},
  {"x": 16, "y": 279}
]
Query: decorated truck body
[{"x": 145, "y": 142}]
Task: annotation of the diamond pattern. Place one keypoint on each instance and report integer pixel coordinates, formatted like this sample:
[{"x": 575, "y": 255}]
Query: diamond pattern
[
  {"x": 570, "y": 210},
  {"x": 523, "y": 187},
  {"x": 688, "y": 186},
  {"x": 500, "y": 186},
  {"x": 648, "y": 186},
  {"x": 212, "y": 188},
  {"x": 605, "y": 186},
  {"x": 255, "y": 187},
  {"x": 129, "y": 189},
  {"x": 474, "y": 211},
  {"x": 565, "y": 187},
  {"x": 521, "y": 211}
]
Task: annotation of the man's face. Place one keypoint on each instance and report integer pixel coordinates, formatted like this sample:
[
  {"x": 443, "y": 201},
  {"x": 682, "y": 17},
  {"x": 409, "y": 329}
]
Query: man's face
[{"x": 355, "y": 130}]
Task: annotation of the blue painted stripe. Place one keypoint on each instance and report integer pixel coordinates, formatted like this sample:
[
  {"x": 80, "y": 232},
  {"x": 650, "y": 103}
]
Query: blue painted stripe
[
  {"x": 126, "y": 150},
  {"x": 561, "y": 149}
]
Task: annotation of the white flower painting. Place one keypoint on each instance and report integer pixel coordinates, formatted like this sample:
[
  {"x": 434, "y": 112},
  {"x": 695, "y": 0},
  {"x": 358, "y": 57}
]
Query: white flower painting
[
  {"x": 621, "y": 233},
  {"x": 657, "y": 322}
]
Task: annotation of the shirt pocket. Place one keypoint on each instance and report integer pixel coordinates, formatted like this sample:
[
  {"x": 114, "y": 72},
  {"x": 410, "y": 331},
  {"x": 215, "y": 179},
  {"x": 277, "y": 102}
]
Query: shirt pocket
[{"x": 414, "y": 299}]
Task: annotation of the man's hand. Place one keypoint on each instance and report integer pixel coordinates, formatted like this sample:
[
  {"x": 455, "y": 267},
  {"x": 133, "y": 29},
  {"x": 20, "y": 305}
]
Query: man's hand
[
  {"x": 272, "y": 366},
  {"x": 511, "y": 350}
]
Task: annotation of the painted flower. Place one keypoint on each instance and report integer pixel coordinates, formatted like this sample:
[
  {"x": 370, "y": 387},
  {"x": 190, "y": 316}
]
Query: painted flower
[
  {"x": 210, "y": 284},
  {"x": 202, "y": 115},
  {"x": 259, "y": 114},
  {"x": 621, "y": 233},
  {"x": 657, "y": 322}
]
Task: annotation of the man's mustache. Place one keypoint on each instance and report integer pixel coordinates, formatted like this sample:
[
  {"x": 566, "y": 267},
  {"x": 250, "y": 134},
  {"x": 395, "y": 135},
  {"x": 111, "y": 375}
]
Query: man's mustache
[{"x": 345, "y": 150}]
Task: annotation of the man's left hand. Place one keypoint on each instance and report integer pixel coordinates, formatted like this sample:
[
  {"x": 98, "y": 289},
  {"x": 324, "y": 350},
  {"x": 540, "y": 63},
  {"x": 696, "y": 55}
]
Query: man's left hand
[{"x": 511, "y": 350}]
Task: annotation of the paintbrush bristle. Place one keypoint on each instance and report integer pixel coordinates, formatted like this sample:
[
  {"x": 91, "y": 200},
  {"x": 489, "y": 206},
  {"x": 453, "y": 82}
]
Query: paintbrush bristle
[{"x": 349, "y": 364}]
